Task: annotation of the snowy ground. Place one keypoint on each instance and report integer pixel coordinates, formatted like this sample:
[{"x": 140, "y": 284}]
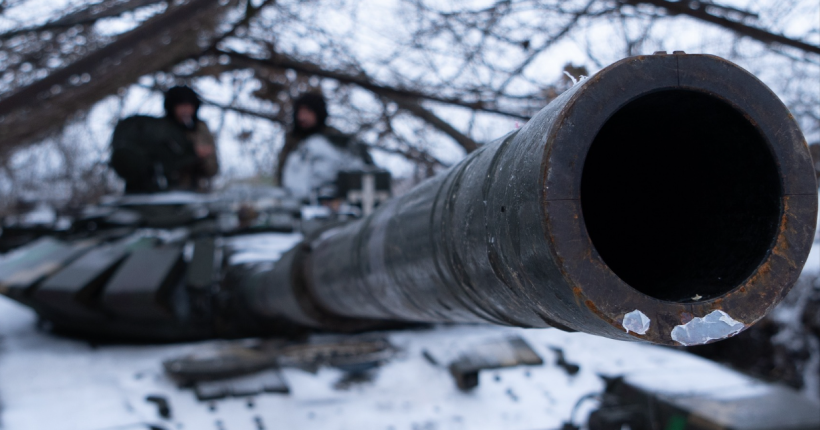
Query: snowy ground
[{"x": 47, "y": 382}]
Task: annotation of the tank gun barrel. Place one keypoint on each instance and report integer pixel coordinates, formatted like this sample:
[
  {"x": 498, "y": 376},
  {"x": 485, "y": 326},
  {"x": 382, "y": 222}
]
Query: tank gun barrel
[{"x": 667, "y": 198}]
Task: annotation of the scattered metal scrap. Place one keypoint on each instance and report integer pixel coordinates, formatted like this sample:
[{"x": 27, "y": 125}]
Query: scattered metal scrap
[
  {"x": 240, "y": 370},
  {"x": 560, "y": 361},
  {"x": 508, "y": 352},
  {"x": 643, "y": 401},
  {"x": 163, "y": 407},
  {"x": 233, "y": 360},
  {"x": 267, "y": 381}
]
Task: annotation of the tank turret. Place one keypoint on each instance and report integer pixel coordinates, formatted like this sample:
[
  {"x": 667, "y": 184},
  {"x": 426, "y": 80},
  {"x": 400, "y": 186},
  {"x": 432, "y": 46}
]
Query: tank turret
[{"x": 667, "y": 198}]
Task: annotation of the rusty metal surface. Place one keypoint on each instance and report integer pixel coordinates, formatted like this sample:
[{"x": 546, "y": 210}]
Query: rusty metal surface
[{"x": 501, "y": 237}]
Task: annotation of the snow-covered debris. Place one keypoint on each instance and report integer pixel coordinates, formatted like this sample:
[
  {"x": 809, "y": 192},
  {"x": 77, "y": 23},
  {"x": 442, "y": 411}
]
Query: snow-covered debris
[
  {"x": 637, "y": 322},
  {"x": 716, "y": 325}
]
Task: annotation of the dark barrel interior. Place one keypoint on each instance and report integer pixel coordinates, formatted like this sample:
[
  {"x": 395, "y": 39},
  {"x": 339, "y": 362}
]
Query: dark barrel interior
[{"x": 681, "y": 195}]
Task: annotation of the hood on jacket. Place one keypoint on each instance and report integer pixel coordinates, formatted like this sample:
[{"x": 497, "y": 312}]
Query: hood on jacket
[
  {"x": 177, "y": 96},
  {"x": 314, "y": 102}
]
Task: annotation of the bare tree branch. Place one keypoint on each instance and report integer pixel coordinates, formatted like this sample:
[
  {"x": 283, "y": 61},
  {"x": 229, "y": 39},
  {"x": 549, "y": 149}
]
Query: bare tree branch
[
  {"x": 431, "y": 118},
  {"x": 243, "y": 111},
  {"x": 284, "y": 62},
  {"x": 411, "y": 154},
  {"x": 41, "y": 108},
  {"x": 700, "y": 11},
  {"x": 87, "y": 15}
]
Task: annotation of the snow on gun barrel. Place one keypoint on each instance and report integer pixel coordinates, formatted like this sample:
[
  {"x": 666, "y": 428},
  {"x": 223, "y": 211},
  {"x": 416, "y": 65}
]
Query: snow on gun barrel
[{"x": 665, "y": 198}]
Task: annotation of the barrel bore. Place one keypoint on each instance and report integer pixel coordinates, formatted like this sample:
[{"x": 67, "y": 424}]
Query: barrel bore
[{"x": 681, "y": 195}]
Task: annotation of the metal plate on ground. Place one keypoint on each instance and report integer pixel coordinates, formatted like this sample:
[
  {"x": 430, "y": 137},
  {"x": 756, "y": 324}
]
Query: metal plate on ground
[{"x": 267, "y": 381}]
